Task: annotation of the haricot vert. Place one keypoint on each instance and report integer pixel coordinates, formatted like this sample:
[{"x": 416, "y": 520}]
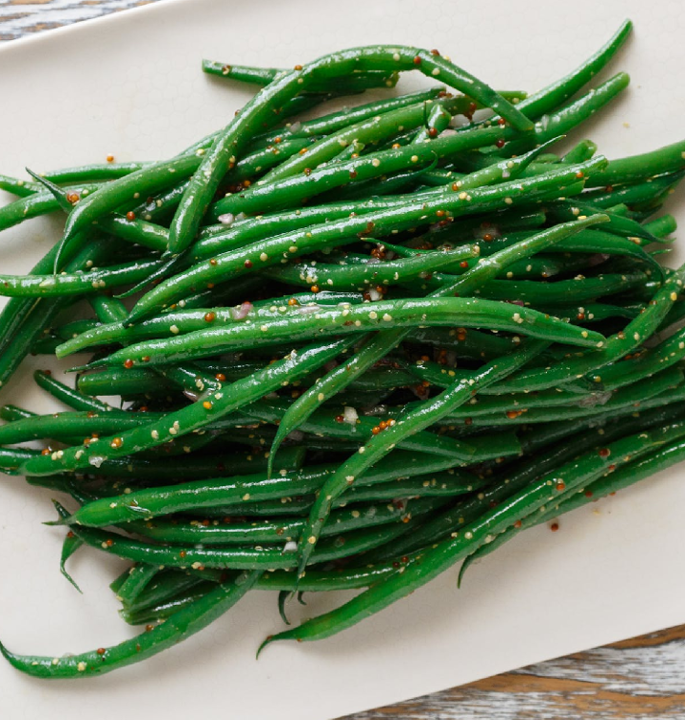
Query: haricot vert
[{"x": 344, "y": 352}]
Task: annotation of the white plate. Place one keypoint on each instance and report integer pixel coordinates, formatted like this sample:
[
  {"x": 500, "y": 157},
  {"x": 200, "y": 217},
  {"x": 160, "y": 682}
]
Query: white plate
[{"x": 131, "y": 85}]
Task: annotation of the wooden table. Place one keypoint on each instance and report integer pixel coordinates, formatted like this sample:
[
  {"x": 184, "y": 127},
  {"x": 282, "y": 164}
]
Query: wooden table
[{"x": 641, "y": 678}]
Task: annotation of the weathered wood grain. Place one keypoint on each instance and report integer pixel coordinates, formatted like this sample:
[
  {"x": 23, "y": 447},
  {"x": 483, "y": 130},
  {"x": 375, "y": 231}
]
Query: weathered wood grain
[
  {"x": 20, "y": 17},
  {"x": 642, "y": 678},
  {"x": 639, "y": 678}
]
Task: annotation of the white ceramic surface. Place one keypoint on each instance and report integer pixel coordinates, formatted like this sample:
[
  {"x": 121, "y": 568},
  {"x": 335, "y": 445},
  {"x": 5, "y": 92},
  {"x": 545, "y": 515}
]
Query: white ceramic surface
[{"x": 130, "y": 85}]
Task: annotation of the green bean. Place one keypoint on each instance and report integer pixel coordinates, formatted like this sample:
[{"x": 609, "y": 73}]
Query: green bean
[
  {"x": 264, "y": 76},
  {"x": 390, "y": 385},
  {"x": 635, "y": 194},
  {"x": 193, "y": 417},
  {"x": 640, "y": 168},
  {"x": 240, "y": 557},
  {"x": 632, "y": 396},
  {"x": 292, "y": 190},
  {"x": 592, "y": 241},
  {"x": 582, "y": 151},
  {"x": 157, "y": 207},
  {"x": 53, "y": 337},
  {"x": 95, "y": 172},
  {"x": 135, "y": 230},
  {"x": 230, "y": 141},
  {"x": 138, "y": 579},
  {"x": 627, "y": 475},
  {"x": 70, "y": 397},
  {"x": 577, "y": 290},
  {"x": 546, "y": 266},
  {"x": 306, "y": 404},
  {"x": 513, "y": 480},
  {"x": 177, "y": 627},
  {"x": 315, "y": 581},
  {"x": 107, "y": 309},
  {"x": 472, "y": 344},
  {"x": 181, "y": 322},
  {"x": 76, "y": 283},
  {"x": 430, "y": 64},
  {"x": 490, "y": 266},
  {"x": 643, "y": 364},
  {"x": 445, "y": 484},
  {"x": 259, "y": 162},
  {"x": 162, "y": 611},
  {"x": 145, "y": 181},
  {"x": 576, "y": 441},
  {"x": 617, "y": 480},
  {"x": 561, "y": 90},
  {"x": 290, "y": 245},
  {"x": 450, "y": 483},
  {"x": 327, "y": 423},
  {"x": 594, "y": 312},
  {"x": 166, "y": 584},
  {"x": 370, "y": 130},
  {"x": 117, "y": 381},
  {"x": 333, "y": 122},
  {"x": 216, "y": 240},
  {"x": 428, "y": 413},
  {"x": 242, "y": 491},
  {"x": 514, "y": 403},
  {"x": 327, "y": 321},
  {"x": 566, "y": 117},
  {"x": 288, "y": 529},
  {"x": 35, "y": 427},
  {"x": 431, "y": 562},
  {"x": 40, "y": 315},
  {"x": 16, "y": 310},
  {"x": 155, "y": 468},
  {"x": 662, "y": 226},
  {"x": 38, "y": 204},
  {"x": 599, "y": 242},
  {"x": 361, "y": 276},
  {"x": 10, "y": 460},
  {"x": 10, "y": 413},
  {"x": 623, "y": 226},
  {"x": 616, "y": 346},
  {"x": 69, "y": 546},
  {"x": 69, "y": 425},
  {"x": 20, "y": 188}
]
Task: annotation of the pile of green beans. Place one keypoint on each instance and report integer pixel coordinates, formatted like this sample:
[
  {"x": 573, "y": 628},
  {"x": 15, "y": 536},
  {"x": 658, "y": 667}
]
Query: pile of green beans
[{"x": 345, "y": 352}]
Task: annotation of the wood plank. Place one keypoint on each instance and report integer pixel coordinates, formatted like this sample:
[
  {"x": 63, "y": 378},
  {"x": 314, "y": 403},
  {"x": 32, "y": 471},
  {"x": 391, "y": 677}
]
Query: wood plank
[
  {"x": 639, "y": 678},
  {"x": 21, "y": 17}
]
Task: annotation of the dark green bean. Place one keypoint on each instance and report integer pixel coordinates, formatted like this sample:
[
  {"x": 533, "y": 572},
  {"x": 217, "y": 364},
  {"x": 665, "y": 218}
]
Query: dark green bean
[
  {"x": 334, "y": 321},
  {"x": 259, "y": 255},
  {"x": 617, "y": 346},
  {"x": 77, "y": 283},
  {"x": 230, "y": 142},
  {"x": 194, "y": 417},
  {"x": 288, "y": 529},
  {"x": 546, "y": 453},
  {"x": 177, "y": 627},
  {"x": 640, "y": 168},
  {"x": 428, "y": 564},
  {"x": 428, "y": 413},
  {"x": 263, "y": 76},
  {"x": 138, "y": 579}
]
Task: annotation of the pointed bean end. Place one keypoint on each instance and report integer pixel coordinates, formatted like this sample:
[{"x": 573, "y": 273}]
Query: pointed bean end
[
  {"x": 64, "y": 572},
  {"x": 60, "y": 522},
  {"x": 9, "y": 656},
  {"x": 89, "y": 366},
  {"x": 269, "y": 639}
]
